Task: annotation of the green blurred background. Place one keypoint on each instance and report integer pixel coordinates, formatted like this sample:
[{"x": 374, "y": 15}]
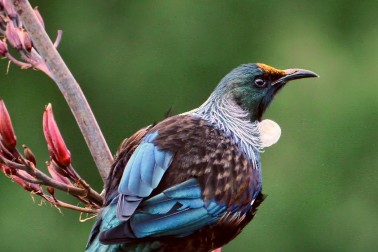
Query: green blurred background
[{"x": 135, "y": 59}]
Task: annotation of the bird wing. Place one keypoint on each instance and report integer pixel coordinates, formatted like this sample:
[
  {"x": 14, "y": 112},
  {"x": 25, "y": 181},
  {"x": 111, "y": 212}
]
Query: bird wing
[
  {"x": 208, "y": 180},
  {"x": 141, "y": 176},
  {"x": 177, "y": 211}
]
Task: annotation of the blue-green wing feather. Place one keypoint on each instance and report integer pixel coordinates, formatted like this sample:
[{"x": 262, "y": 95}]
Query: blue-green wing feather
[
  {"x": 107, "y": 221},
  {"x": 141, "y": 176},
  {"x": 178, "y": 211}
]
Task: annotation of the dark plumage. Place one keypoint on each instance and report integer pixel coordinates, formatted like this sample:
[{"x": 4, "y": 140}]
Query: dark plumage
[{"x": 193, "y": 181}]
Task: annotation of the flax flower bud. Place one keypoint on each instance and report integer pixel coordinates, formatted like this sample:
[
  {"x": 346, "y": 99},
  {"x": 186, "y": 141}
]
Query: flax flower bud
[
  {"x": 57, "y": 173},
  {"x": 9, "y": 9},
  {"x": 7, "y": 135},
  {"x": 26, "y": 41},
  {"x": 13, "y": 35},
  {"x": 33, "y": 188},
  {"x": 3, "y": 48},
  {"x": 51, "y": 190},
  {"x": 29, "y": 154},
  {"x": 55, "y": 143}
]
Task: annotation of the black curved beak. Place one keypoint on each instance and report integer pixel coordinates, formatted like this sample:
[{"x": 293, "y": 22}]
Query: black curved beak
[{"x": 295, "y": 74}]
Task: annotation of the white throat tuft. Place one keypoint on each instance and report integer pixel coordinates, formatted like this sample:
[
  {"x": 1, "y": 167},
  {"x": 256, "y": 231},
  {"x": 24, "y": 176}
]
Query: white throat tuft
[
  {"x": 227, "y": 116},
  {"x": 270, "y": 132}
]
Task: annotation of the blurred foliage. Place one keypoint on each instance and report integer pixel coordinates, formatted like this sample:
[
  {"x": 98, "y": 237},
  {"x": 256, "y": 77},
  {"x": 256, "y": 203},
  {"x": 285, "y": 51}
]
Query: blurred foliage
[{"x": 135, "y": 59}]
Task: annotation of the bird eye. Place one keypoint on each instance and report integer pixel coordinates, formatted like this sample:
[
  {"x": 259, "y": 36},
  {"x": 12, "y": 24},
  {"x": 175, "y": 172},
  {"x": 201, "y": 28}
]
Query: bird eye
[{"x": 260, "y": 82}]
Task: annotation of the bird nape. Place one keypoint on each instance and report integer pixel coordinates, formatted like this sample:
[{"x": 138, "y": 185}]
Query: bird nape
[{"x": 192, "y": 182}]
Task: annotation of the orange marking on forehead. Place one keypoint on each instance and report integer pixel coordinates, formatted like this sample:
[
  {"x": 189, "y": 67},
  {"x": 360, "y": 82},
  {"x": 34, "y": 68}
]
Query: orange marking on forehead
[{"x": 271, "y": 71}]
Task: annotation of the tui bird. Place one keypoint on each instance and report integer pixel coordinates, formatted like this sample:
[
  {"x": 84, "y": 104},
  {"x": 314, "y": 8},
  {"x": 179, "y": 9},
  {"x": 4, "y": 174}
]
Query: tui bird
[{"x": 192, "y": 182}]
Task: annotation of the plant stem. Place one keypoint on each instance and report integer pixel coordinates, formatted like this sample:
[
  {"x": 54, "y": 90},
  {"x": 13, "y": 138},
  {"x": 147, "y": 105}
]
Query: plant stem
[
  {"x": 42, "y": 179},
  {"x": 68, "y": 86}
]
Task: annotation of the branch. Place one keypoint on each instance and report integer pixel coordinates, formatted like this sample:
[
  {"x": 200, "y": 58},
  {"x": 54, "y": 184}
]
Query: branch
[
  {"x": 43, "y": 179},
  {"x": 58, "y": 203},
  {"x": 68, "y": 86},
  {"x": 22, "y": 168}
]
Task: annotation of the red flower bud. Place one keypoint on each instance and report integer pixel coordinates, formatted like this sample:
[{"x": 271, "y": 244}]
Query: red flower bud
[
  {"x": 34, "y": 188},
  {"x": 55, "y": 143},
  {"x": 29, "y": 155},
  {"x": 8, "y": 171},
  {"x": 7, "y": 135},
  {"x": 18, "y": 181},
  {"x": 51, "y": 190},
  {"x": 4, "y": 168},
  {"x": 26, "y": 41},
  {"x": 57, "y": 173},
  {"x": 13, "y": 35},
  {"x": 3, "y": 48},
  {"x": 9, "y": 9}
]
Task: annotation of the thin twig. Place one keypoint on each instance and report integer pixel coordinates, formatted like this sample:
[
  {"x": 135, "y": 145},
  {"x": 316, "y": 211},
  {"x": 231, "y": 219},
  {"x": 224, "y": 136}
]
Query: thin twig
[
  {"x": 17, "y": 62},
  {"x": 33, "y": 181},
  {"x": 91, "y": 194},
  {"x": 58, "y": 203},
  {"x": 68, "y": 86},
  {"x": 43, "y": 179}
]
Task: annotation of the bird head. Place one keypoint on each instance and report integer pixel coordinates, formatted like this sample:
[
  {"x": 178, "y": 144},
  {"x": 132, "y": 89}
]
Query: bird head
[{"x": 253, "y": 86}]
